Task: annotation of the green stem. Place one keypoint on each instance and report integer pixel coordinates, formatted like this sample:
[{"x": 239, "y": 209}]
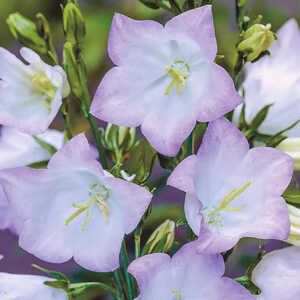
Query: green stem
[
  {"x": 137, "y": 239},
  {"x": 191, "y": 144},
  {"x": 124, "y": 262},
  {"x": 85, "y": 105},
  {"x": 118, "y": 282},
  {"x": 66, "y": 117}
]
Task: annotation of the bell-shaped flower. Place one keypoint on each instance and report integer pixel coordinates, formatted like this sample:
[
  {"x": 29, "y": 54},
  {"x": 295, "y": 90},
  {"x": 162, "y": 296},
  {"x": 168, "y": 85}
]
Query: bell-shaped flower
[
  {"x": 165, "y": 78},
  {"x": 74, "y": 208},
  {"x": 275, "y": 79},
  {"x": 31, "y": 94},
  {"x": 187, "y": 275},
  {"x": 20, "y": 149},
  {"x": 233, "y": 192},
  {"x": 277, "y": 275},
  {"x": 28, "y": 287}
]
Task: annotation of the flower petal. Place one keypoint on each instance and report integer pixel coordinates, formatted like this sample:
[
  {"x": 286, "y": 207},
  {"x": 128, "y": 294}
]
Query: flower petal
[
  {"x": 126, "y": 34},
  {"x": 198, "y": 25},
  {"x": 183, "y": 175}
]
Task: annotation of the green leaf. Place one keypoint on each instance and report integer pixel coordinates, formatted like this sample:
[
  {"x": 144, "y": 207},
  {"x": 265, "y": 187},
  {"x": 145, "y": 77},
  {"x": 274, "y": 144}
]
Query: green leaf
[
  {"x": 56, "y": 275},
  {"x": 58, "y": 284},
  {"x": 51, "y": 149},
  {"x": 260, "y": 117},
  {"x": 78, "y": 288},
  {"x": 292, "y": 195}
]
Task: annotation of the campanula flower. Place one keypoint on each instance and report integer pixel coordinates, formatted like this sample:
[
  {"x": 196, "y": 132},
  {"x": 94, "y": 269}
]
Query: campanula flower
[
  {"x": 28, "y": 287},
  {"x": 233, "y": 192},
  {"x": 187, "y": 275},
  {"x": 31, "y": 94},
  {"x": 277, "y": 275},
  {"x": 274, "y": 79},
  {"x": 74, "y": 208},
  {"x": 165, "y": 78}
]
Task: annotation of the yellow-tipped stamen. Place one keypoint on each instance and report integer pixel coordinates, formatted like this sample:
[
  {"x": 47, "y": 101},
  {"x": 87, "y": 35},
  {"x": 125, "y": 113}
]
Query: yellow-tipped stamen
[
  {"x": 214, "y": 216},
  {"x": 99, "y": 194},
  {"x": 45, "y": 86},
  {"x": 177, "y": 293},
  {"x": 179, "y": 80}
]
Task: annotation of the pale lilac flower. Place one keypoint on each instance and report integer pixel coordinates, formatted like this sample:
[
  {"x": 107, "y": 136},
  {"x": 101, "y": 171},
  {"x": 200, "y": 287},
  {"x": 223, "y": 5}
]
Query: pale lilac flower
[
  {"x": 20, "y": 149},
  {"x": 233, "y": 192},
  {"x": 165, "y": 79},
  {"x": 28, "y": 287},
  {"x": 74, "y": 208},
  {"x": 188, "y": 275},
  {"x": 275, "y": 79},
  {"x": 277, "y": 275},
  {"x": 31, "y": 94}
]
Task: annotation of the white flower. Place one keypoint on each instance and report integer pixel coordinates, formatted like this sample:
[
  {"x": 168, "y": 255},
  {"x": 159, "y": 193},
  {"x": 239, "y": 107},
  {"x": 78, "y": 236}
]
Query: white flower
[
  {"x": 275, "y": 79},
  {"x": 28, "y": 287},
  {"x": 30, "y": 95}
]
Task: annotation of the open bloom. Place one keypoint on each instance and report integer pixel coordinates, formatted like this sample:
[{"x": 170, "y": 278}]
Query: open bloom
[
  {"x": 74, "y": 208},
  {"x": 233, "y": 192},
  {"x": 277, "y": 275},
  {"x": 275, "y": 80},
  {"x": 31, "y": 95},
  {"x": 187, "y": 275},
  {"x": 28, "y": 287},
  {"x": 165, "y": 79},
  {"x": 20, "y": 149}
]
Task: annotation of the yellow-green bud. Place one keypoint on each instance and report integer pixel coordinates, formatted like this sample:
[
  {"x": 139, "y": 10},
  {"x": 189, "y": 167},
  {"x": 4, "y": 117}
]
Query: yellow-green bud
[
  {"x": 71, "y": 67},
  {"x": 74, "y": 25},
  {"x": 162, "y": 238},
  {"x": 118, "y": 140},
  {"x": 27, "y": 33},
  {"x": 294, "y": 237},
  {"x": 292, "y": 147},
  {"x": 256, "y": 40}
]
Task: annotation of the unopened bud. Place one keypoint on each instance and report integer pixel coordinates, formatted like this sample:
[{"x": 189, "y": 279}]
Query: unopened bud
[
  {"x": 162, "y": 238},
  {"x": 256, "y": 40},
  {"x": 74, "y": 25},
  {"x": 27, "y": 33},
  {"x": 118, "y": 140},
  {"x": 71, "y": 67},
  {"x": 292, "y": 147}
]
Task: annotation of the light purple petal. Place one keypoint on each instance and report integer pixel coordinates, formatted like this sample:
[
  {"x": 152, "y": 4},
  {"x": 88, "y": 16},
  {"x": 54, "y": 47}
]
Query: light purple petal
[
  {"x": 222, "y": 98},
  {"x": 192, "y": 210},
  {"x": 126, "y": 33},
  {"x": 183, "y": 175},
  {"x": 222, "y": 148},
  {"x": 277, "y": 275},
  {"x": 76, "y": 153},
  {"x": 231, "y": 290},
  {"x": 144, "y": 267},
  {"x": 167, "y": 129},
  {"x": 133, "y": 200},
  {"x": 198, "y": 25}
]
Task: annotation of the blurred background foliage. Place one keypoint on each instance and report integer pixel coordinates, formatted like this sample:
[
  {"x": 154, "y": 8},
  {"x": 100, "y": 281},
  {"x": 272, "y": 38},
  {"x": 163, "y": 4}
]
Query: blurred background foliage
[{"x": 98, "y": 15}]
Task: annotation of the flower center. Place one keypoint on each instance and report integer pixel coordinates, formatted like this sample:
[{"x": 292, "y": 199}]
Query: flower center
[
  {"x": 177, "y": 293},
  {"x": 44, "y": 85},
  {"x": 179, "y": 72},
  {"x": 214, "y": 216},
  {"x": 98, "y": 195}
]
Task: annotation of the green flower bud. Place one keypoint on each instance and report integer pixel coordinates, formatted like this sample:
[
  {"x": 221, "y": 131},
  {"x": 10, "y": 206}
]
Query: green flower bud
[
  {"x": 256, "y": 40},
  {"x": 292, "y": 147},
  {"x": 294, "y": 237},
  {"x": 118, "y": 140},
  {"x": 27, "y": 33},
  {"x": 140, "y": 161},
  {"x": 74, "y": 24},
  {"x": 71, "y": 67},
  {"x": 162, "y": 238}
]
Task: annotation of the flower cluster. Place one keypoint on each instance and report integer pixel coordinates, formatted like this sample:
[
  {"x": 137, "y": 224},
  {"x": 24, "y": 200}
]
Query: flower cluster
[{"x": 64, "y": 199}]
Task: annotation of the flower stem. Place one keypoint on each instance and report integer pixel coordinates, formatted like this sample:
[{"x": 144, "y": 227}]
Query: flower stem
[
  {"x": 85, "y": 106},
  {"x": 118, "y": 282},
  {"x": 124, "y": 262},
  {"x": 137, "y": 239}
]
